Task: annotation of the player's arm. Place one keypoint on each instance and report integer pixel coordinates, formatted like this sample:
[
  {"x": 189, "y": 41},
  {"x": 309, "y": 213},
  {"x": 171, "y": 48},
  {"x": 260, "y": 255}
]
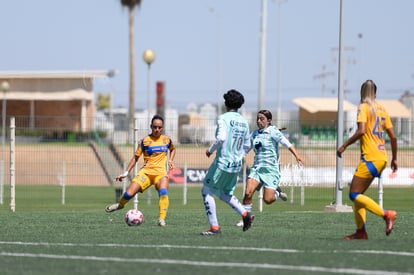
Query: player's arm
[
  {"x": 356, "y": 136},
  {"x": 171, "y": 159},
  {"x": 220, "y": 138},
  {"x": 285, "y": 142},
  {"x": 131, "y": 165},
  {"x": 299, "y": 159},
  {"x": 393, "y": 141}
]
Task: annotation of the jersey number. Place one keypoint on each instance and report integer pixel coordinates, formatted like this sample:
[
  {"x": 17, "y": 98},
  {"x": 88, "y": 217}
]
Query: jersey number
[
  {"x": 237, "y": 143},
  {"x": 378, "y": 131}
]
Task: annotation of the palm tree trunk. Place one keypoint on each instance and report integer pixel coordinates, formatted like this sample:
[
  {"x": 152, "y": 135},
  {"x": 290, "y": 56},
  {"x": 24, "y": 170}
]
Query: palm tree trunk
[{"x": 131, "y": 110}]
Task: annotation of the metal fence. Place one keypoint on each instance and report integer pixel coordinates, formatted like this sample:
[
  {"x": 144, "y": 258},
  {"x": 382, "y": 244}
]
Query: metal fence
[{"x": 64, "y": 157}]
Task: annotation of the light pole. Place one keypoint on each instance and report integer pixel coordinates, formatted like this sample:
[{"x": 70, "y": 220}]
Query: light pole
[
  {"x": 219, "y": 53},
  {"x": 4, "y": 88},
  {"x": 262, "y": 62},
  {"x": 279, "y": 100},
  {"x": 149, "y": 57}
]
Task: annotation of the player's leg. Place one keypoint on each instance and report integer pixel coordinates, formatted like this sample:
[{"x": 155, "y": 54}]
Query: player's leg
[
  {"x": 362, "y": 179},
  {"x": 207, "y": 192},
  {"x": 270, "y": 181},
  {"x": 366, "y": 172},
  {"x": 269, "y": 195},
  {"x": 252, "y": 185},
  {"x": 228, "y": 183},
  {"x": 134, "y": 187},
  {"x": 210, "y": 208},
  {"x": 162, "y": 187}
]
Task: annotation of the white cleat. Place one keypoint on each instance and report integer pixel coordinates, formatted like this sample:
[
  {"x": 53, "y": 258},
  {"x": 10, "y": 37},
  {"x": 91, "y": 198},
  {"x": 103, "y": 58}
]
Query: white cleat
[
  {"x": 111, "y": 207},
  {"x": 283, "y": 196}
]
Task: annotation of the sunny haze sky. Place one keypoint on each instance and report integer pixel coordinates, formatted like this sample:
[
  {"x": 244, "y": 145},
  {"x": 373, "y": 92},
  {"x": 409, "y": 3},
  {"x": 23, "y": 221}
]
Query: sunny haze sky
[{"x": 205, "y": 47}]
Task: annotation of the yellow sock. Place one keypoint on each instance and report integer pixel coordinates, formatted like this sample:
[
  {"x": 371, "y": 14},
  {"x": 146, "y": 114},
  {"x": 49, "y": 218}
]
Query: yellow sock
[
  {"x": 369, "y": 204},
  {"x": 164, "y": 204},
  {"x": 360, "y": 215},
  {"x": 122, "y": 202}
]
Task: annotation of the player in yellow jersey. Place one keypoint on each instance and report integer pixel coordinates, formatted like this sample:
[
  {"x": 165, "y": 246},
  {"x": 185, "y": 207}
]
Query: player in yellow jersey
[
  {"x": 372, "y": 120},
  {"x": 154, "y": 148}
]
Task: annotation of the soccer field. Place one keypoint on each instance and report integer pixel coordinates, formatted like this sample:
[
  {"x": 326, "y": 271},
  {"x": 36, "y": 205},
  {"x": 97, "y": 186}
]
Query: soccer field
[{"x": 80, "y": 238}]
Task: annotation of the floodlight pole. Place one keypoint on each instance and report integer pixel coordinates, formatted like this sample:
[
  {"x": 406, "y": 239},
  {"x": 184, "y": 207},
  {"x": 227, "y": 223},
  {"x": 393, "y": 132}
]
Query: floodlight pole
[
  {"x": 337, "y": 206},
  {"x": 279, "y": 100},
  {"x": 262, "y": 66},
  {"x": 340, "y": 119},
  {"x": 149, "y": 57},
  {"x": 135, "y": 169},
  {"x": 262, "y": 74}
]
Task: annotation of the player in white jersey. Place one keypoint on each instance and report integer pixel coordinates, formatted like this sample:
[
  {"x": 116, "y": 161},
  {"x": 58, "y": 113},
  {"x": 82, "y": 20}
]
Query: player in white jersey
[
  {"x": 265, "y": 170},
  {"x": 232, "y": 143}
]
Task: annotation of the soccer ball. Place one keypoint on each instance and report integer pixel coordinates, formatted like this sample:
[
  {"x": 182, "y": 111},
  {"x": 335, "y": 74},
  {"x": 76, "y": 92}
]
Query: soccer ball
[{"x": 134, "y": 217}]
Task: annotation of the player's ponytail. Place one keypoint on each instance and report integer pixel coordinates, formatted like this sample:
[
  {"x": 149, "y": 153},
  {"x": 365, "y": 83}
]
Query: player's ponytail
[{"x": 368, "y": 94}]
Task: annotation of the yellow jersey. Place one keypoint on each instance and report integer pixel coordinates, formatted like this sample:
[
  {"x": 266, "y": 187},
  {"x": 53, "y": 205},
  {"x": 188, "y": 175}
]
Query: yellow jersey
[
  {"x": 372, "y": 142},
  {"x": 155, "y": 152}
]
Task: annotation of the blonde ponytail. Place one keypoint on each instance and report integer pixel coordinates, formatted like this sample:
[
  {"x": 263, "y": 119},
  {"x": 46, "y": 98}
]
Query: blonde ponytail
[{"x": 368, "y": 94}]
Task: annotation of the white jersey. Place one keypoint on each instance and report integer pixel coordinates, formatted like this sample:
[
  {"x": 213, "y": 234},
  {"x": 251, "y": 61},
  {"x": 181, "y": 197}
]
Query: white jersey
[
  {"x": 232, "y": 142},
  {"x": 265, "y": 144}
]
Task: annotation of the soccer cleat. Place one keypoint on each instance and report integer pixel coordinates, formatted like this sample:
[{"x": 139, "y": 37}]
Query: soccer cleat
[
  {"x": 247, "y": 221},
  {"x": 211, "y": 232},
  {"x": 111, "y": 207},
  {"x": 240, "y": 223},
  {"x": 360, "y": 234},
  {"x": 283, "y": 196},
  {"x": 162, "y": 223},
  {"x": 389, "y": 218}
]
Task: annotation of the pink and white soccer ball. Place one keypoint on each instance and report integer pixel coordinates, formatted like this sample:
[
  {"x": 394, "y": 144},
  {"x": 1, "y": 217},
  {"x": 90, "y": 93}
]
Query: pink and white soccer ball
[{"x": 134, "y": 217}]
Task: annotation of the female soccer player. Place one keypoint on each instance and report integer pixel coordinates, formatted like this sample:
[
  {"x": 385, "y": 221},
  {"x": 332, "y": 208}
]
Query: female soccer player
[
  {"x": 372, "y": 120},
  {"x": 154, "y": 148},
  {"x": 265, "y": 170},
  {"x": 232, "y": 142}
]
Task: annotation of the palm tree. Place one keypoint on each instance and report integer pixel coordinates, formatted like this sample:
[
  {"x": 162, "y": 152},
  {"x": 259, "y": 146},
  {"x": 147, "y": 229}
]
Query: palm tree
[{"x": 131, "y": 4}]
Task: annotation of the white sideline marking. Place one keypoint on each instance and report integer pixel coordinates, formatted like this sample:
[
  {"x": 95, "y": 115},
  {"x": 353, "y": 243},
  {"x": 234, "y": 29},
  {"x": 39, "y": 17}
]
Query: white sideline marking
[
  {"x": 259, "y": 249},
  {"x": 203, "y": 263}
]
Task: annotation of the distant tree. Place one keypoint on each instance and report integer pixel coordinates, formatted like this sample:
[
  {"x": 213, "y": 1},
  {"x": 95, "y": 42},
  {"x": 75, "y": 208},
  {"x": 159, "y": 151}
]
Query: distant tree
[
  {"x": 104, "y": 102},
  {"x": 131, "y": 4}
]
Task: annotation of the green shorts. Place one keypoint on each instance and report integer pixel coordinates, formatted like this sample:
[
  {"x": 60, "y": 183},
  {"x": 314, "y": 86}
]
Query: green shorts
[
  {"x": 265, "y": 176},
  {"x": 219, "y": 181}
]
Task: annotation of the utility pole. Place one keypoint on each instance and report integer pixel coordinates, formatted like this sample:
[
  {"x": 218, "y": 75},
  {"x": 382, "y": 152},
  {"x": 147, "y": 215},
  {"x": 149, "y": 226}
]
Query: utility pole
[{"x": 323, "y": 75}]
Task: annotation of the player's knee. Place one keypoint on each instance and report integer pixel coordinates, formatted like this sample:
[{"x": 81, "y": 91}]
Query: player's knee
[
  {"x": 353, "y": 195},
  {"x": 269, "y": 200},
  {"x": 248, "y": 194},
  {"x": 205, "y": 191},
  {"x": 127, "y": 196},
  {"x": 163, "y": 192}
]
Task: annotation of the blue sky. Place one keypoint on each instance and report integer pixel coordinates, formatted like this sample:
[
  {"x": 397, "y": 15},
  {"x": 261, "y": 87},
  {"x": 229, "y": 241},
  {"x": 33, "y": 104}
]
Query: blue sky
[{"x": 205, "y": 47}]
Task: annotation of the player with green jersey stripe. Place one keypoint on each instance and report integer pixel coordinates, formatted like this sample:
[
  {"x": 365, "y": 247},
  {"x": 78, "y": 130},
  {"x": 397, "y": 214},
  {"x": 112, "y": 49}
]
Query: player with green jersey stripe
[
  {"x": 232, "y": 143},
  {"x": 265, "y": 170}
]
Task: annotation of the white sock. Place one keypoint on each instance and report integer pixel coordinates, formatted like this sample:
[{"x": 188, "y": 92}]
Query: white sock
[
  {"x": 248, "y": 207},
  {"x": 210, "y": 206},
  {"x": 277, "y": 194},
  {"x": 233, "y": 202}
]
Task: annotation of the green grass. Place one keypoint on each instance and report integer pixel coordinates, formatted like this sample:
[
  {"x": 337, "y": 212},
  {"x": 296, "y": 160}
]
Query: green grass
[{"x": 45, "y": 237}]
